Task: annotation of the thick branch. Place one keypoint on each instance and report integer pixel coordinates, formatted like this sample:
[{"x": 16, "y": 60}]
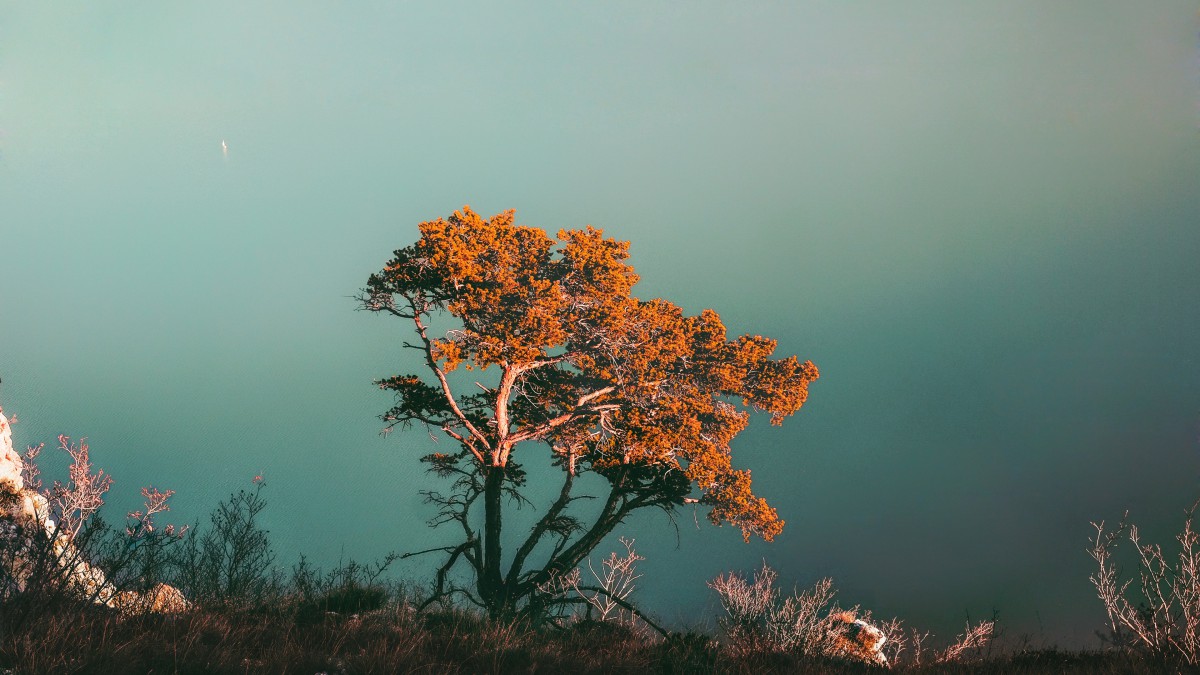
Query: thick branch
[
  {"x": 436, "y": 549},
  {"x": 624, "y": 604},
  {"x": 580, "y": 411},
  {"x": 439, "y": 588},
  {"x": 466, "y": 442},
  {"x": 612, "y": 516},
  {"x": 535, "y": 536},
  {"x": 507, "y": 379},
  {"x": 432, "y": 363},
  {"x": 614, "y": 510}
]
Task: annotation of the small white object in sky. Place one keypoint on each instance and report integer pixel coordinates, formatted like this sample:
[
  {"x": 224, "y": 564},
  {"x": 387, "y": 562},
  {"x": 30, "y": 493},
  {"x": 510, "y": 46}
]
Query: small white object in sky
[{"x": 224, "y": 149}]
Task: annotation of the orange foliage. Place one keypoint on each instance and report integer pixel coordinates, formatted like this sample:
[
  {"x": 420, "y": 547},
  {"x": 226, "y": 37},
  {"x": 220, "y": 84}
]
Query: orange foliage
[{"x": 605, "y": 379}]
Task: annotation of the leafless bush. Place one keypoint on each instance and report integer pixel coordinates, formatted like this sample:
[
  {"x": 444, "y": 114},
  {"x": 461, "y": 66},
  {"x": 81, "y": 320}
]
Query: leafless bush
[
  {"x": 613, "y": 584},
  {"x": 809, "y": 623},
  {"x": 30, "y": 472},
  {"x": 74, "y": 502},
  {"x": 916, "y": 644},
  {"x": 607, "y": 598},
  {"x": 1166, "y": 619},
  {"x": 748, "y": 606},
  {"x": 970, "y": 643},
  {"x": 229, "y": 564},
  {"x": 615, "y": 579},
  {"x": 903, "y": 644},
  {"x": 757, "y": 621},
  {"x": 141, "y": 559}
]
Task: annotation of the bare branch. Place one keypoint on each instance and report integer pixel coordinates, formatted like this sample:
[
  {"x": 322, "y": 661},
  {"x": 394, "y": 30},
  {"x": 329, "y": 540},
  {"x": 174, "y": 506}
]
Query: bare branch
[
  {"x": 580, "y": 411},
  {"x": 441, "y": 376}
]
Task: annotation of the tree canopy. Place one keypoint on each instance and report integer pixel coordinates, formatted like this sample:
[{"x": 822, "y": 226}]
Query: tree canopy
[{"x": 632, "y": 390}]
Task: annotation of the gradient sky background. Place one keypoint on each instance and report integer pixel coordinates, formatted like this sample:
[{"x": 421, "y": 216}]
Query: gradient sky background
[{"x": 979, "y": 219}]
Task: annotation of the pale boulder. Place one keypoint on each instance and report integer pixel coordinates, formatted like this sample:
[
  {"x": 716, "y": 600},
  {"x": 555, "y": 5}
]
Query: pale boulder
[
  {"x": 856, "y": 639},
  {"x": 10, "y": 462},
  {"x": 161, "y": 599}
]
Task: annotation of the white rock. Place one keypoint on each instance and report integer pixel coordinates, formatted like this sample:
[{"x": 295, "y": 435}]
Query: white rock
[
  {"x": 856, "y": 639},
  {"x": 10, "y": 461}
]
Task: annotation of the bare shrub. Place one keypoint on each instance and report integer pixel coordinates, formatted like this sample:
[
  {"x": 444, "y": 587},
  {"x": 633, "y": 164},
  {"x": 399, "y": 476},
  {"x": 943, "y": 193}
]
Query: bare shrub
[
  {"x": 30, "y": 472},
  {"x": 970, "y": 643},
  {"x": 137, "y": 560},
  {"x": 607, "y": 598},
  {"x": 73, "y": 503},
  {"x": 614, "y": 581},
  {"x": 748, "y": 607},
  {"x": 757, "y": 621},
  {"x": 902, "y": 644},
  {"x": 1166, "y": 619},
  {"x": 809, "y": 623},
  {"x": 229, "y": 565}
]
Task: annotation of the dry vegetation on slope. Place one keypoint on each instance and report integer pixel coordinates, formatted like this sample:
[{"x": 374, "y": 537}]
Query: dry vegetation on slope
[{"x": 244, "y": 614}]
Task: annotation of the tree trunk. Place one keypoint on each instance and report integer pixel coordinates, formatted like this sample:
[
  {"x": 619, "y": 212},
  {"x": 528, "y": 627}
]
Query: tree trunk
[{"x": 492, "y": 588}]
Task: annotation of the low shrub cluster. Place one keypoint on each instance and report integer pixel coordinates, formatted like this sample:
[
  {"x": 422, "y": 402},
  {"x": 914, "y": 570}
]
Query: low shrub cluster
[
  {"x": 760, "y": 619},
  {"x": 245, "y": 614}
]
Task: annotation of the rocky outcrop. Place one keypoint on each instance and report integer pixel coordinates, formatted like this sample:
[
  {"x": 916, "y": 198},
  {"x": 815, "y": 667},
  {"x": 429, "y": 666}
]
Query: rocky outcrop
[
  {"x": 27, "y": 531},
  {"x": 856, "y": 639},
  {"x": 10, "y": 461},
  {"x": 17, "y": 505}
]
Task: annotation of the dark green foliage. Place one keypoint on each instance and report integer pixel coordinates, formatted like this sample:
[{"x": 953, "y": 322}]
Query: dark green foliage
[
  {"x": 688, "y": 652},
  {"x": 355, "y": 599},
  {"x": 452, "y": 621},
  {"x": 348, "y": 590}
]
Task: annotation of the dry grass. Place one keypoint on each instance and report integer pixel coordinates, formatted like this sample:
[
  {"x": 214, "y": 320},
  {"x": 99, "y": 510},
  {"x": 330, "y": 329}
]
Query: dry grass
[
  {"x": 397, "y": 640},
  {"x": 391, "y": 640}
]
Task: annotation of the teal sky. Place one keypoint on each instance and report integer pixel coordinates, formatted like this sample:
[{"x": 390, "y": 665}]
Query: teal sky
[{"x": 980, "y": 220}]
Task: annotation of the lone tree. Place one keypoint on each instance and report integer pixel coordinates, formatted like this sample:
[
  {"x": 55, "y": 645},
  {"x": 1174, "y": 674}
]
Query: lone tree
[{"x": 630, "y": 390}]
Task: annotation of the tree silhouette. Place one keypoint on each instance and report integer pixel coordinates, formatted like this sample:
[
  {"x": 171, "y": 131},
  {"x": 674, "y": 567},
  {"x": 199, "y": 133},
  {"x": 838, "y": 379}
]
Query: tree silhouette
[{"x": 633, "y": 391}]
